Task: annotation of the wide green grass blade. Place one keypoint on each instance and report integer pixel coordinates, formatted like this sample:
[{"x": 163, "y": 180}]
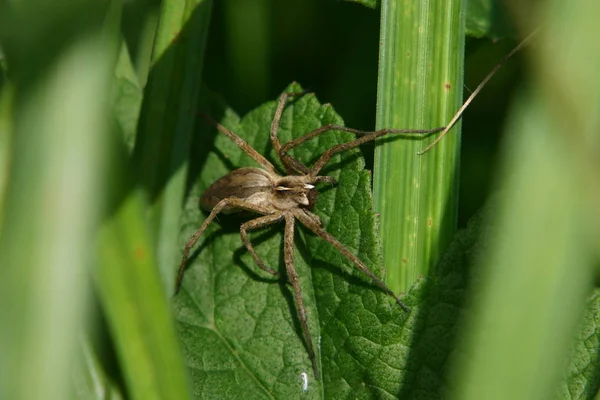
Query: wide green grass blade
[
  {"x": 60, "y": 72},
  {"x": 543, "y": 251},
  {"x": 167, "y": 120},
  {"x": 420, "y": 87},
  {"x": 130, "y": 288},
  {"x": 538, "y": 272}
]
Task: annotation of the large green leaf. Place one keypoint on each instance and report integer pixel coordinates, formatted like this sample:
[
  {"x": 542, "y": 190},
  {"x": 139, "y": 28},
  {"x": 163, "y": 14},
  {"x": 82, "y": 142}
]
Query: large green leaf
[{"x": 239, "y": 326}]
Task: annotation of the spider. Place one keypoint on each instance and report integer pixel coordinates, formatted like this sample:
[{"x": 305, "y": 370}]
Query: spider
[{"x": 288, "y": 198}]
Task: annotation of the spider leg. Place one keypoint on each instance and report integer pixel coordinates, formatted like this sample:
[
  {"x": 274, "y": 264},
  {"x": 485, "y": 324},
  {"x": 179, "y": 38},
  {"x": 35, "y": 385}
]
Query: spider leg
[
  {"x": 242, "y": 144},
  {"x": 256, "y": 224},
  {"x": 326, "y": 156},
  {"x": 228, "y": 202},
  {"x": 288, "y": 256},
  {"x": 332, "y": 127},
  {"x": 312, "y": 222},
  {"x": 292, "y": 165}
]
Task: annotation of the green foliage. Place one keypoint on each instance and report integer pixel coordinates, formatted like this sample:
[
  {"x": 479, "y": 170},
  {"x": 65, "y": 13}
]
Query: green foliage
[
  {"x": 366, "y": 3},
  {"x": 102, "y": 163},
  {"x": 249, "y": 320},
  {"x": 238, "y": 324},
  {"x": 408, "y": 184},
  {"x": 487, "y": 18}
]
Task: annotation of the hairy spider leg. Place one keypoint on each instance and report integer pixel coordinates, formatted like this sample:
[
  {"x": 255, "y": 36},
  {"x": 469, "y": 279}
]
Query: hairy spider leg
[
  {"x": 312, "y": 222},
  {"x": 291, "y": 164},
  {"x": 257, "y": 224},
  {"x": 228, "y": 202},
  {"x": 242, "y": 144},
  {"x": 332, "y": 127},
  {"x": 288, "y": 257},
  {"x": 326, "y": 156}
]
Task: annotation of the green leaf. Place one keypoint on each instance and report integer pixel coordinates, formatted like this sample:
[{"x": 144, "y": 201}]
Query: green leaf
[
  {"x": 167, "y": 120},
  {"x": 128, "y": 97},
  {"x": 238, "y": 325},
  {"x": 90, "y": 379},
  {"x": 129, "y": 287},
  {"x": 582, "y": 377},
  {"x": 366, "y": 3},
  {"x": 53, "y": 122},
  {"x": 487, "y": 18}
]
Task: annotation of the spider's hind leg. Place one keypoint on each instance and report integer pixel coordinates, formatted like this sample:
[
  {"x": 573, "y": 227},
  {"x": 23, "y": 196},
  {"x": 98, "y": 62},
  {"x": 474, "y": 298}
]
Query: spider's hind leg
[
  {"x": 288, "y": 256},
  {"x": 312, "y": 222}
]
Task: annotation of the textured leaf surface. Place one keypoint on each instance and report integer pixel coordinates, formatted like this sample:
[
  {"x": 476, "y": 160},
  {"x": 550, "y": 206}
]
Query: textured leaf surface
[
  {"x": 582, "y": 377},
  {"x": 239, "y": 327}
]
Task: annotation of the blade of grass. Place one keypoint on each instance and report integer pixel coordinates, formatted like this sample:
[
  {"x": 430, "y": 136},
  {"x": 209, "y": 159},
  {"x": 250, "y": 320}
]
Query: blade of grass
[
  {"x": 127, "y": 278},
  {"x": 167, "y": 120},
  {"x": 55, "y": 189},
  {"x": 90, "y": 379},
  {"x": 134, "y": 301},
  {"x": 420, "y": 86},
  {"x": 538, "y": 272},
  {"x": 541, "y": 265}
]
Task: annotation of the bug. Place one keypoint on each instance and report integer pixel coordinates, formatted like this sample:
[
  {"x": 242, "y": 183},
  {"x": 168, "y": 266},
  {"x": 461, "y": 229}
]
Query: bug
[
  {"x": 289, "y": 198},
  {"x": 284, "y": 198}
]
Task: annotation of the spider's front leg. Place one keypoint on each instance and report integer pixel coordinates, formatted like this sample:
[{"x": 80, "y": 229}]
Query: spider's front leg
[{"x": 291, "y": 165}]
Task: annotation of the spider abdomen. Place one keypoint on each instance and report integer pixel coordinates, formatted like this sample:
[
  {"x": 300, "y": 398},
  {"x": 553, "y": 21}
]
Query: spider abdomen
[{"x": 253, "y": 185}]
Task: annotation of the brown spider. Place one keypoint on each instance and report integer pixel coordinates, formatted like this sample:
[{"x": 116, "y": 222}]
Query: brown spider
[
  {"x": 287, "y": 198},
  {"x": 283, "y": 198}
]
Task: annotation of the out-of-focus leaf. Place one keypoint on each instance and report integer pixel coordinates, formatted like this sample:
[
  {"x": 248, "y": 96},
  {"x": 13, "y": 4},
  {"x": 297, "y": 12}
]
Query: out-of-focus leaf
[
  {"x": 127, "y": 97},
  {"x": 90, "y": 379},
  {"x": 130, "y": 290},
  {"x": 6, "y": 132},
  {"x": 487, "y": 18},
  {"x": 167, "y": 120},
  {"x": 52, "y": 200},
  {"x": 535, "y": 274},
  {"x": 366, "y": 3}
]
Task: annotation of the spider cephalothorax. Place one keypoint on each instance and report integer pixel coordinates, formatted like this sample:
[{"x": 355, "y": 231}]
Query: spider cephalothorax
[{"x": 286, "y": 198}]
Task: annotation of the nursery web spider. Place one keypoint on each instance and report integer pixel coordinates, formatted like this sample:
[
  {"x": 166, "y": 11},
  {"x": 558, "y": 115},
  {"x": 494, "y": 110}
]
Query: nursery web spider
[
  {"x": 285, "y": 198},
  {"x": 292, "y": 197}
]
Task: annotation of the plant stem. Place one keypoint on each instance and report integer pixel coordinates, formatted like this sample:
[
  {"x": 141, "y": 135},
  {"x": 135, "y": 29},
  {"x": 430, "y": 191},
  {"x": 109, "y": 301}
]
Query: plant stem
[{"x": 420, "y": 86}]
